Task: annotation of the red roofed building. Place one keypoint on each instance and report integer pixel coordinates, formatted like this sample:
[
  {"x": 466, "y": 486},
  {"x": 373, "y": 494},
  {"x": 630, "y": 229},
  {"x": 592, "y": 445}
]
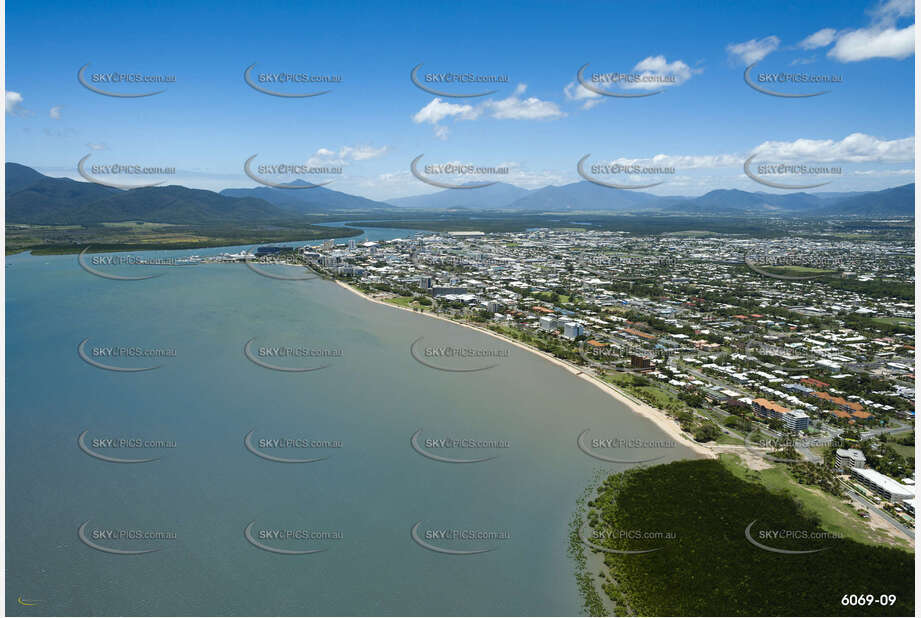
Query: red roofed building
[{"x": 814, "y": 382}]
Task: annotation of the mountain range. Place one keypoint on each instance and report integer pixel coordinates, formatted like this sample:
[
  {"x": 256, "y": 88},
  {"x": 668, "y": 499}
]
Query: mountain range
[{"x": 32, "y": 197}]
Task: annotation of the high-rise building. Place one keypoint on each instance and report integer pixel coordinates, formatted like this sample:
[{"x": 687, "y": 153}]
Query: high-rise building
[
  {"x": 571, "y": 330},
  {"x": 796, "y": 420},
  {"x": 847, "y": 458},
  {"x": 640, "y": 362}
]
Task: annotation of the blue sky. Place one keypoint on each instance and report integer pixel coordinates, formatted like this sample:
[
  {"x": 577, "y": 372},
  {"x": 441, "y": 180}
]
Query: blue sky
[{"x": 539, "y": 124}]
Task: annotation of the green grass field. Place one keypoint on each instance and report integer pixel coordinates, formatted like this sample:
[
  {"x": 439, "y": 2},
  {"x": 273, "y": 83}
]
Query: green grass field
[
  {"x": 909, "y": 322},
  {"x": 797, "y": 270},
  {"x": 835, "y": 514},
  {"x": 402, "y": 301}
]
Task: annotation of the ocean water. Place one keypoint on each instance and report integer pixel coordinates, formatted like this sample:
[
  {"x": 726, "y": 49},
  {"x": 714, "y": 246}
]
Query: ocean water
[{"x": 369, "y": 492}]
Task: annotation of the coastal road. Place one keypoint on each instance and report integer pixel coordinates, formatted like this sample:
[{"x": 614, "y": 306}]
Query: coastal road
[{"x": 870, "y": 506}]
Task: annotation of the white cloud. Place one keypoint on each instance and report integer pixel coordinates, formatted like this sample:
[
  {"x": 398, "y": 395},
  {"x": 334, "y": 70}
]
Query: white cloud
[
  {"x": 887, "y": 12},
  {"x": 753, "y": 50},
  {"x": 97, "y": 146},
  {"x": 360, "y": 153},
  {"x": 437, "y": 110},
  {"x": 874, "y": 43},
  {"x": 882, "y": 38},
  {"x": 516, "y": 108},
  {"x": 656, "y": 72},
  {"x": 345, "y": 155},
  {"x": 855, "y": 148},
  {"x": 513, "y": 107},
  {"x": 818, "y": 39},
  {"x": 685, "y": 162},
  {"x": 903, "y": 172},
  {"x": 55, "y": 112},
  {"x": 574, "y": 91},
  {"x": 14, "y": 104}
]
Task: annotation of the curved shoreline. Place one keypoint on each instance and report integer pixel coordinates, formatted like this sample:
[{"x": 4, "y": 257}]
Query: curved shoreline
[{"x": 658, "y": 417}]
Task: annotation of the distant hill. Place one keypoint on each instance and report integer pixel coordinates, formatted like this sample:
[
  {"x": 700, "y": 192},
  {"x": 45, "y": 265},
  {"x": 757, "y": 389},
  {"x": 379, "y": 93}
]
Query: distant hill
[
  {"x": 52, "y": 201},
  {"x": 582, "y": 195},
  {"x": 734, "y": 201},
  {"x": 304, "y": 201},
  {"x": 34, "y": 198},
  {"x": 589, "y": 196},
  {"x": 38, "y": 199},
  {"x": 493, "y": 197},
  {"x": 897, "y": 201},
  {"x": 834, "y": 195},
  {"x": 19, "y": 177}
]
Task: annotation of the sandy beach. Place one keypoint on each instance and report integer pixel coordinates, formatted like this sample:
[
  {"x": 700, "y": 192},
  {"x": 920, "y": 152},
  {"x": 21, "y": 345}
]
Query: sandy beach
[{"x": 660, "y": 418}]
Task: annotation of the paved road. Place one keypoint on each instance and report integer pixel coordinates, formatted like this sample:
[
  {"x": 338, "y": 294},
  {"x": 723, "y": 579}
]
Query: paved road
[{"x": 870, "y": 506}]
